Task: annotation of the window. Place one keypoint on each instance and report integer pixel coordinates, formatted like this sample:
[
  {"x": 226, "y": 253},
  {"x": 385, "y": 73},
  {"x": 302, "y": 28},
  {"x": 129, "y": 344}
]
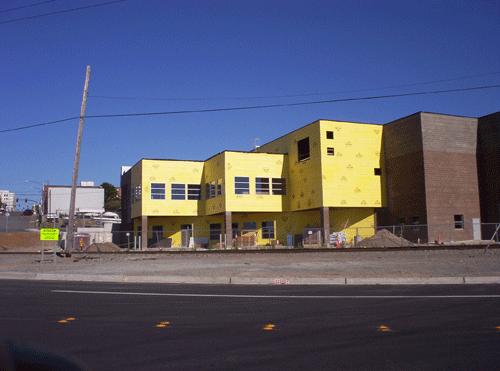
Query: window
[
  {"x": 330, "y": 151},
  {"x": 249, "y": 226},
  {"x": 136, "y": 193},
  {"x": 415, "y": 220},
  {"x": 303, "y": 149},
  {"x": 378, "y": 171},
  {"x": 279, "y": 186},
  {"x": 215, "y": 231},
  {"x": 459, "y": 222},
  {"x": 235, "y": 228},
  {"x": 329, "y": 135},
  {"x": 241, "y": 185},
  {"x": 262, "y": 186},
  {"x": 194, "y": 192},
  {"x": 207, "y": 191},
  {"x": 178, "y": 191},
  {"x": 219, "y": 187},
  {"x": 212, "y": 189},
  {"x": 157, "y": 191},
  {"x": 268, "y": 230}
]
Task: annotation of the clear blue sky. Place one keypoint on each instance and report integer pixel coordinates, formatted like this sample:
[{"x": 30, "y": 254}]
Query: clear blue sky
[{"x": 184, "y": 55}]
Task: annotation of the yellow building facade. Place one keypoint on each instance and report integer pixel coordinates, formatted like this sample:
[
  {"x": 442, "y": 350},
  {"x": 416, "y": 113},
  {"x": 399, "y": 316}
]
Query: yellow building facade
[{"x": 296, "y": 190}]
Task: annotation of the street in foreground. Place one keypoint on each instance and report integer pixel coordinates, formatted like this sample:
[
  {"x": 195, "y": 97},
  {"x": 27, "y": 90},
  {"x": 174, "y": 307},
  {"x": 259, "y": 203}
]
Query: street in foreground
[{"x": 185, "y": 327}]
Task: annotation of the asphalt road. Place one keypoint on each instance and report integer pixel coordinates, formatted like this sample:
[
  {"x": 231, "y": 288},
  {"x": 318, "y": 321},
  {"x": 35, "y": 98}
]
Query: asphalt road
[
  {"x": 15, "y": 222},
  {"x": 221, "y": 327}
]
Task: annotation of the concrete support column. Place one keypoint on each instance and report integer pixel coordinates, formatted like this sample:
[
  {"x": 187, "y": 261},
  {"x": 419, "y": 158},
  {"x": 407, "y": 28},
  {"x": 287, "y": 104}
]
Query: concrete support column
[
  {"x": 144, "y": 232},
  {"x": 228, "y": 221},
  {"x": 325, "y": 224}
]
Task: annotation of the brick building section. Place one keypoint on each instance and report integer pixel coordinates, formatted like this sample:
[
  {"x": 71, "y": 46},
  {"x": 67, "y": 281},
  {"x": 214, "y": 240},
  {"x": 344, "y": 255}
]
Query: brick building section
[
  {"x": 488, "y": 158},
  {"x": 431, "y": 175}
]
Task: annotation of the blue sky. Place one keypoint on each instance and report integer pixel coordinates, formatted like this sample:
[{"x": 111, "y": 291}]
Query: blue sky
[{"x": 170, "y": 56}]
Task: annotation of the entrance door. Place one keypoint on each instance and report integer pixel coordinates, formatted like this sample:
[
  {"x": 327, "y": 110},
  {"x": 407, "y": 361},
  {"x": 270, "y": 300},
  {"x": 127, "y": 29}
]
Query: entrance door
[{"x": 186, "y": 234}]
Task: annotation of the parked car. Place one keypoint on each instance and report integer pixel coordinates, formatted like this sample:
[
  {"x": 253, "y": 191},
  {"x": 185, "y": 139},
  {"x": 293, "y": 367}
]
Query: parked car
[{"x": 27, "y": 212}]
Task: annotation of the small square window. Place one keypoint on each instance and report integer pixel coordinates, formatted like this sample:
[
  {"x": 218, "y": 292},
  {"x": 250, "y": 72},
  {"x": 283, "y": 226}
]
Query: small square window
[
  {"x": 378, "y": 171},
  {"x": 329, "y": 135},
  {"x": 459, "y": 221},
  {"x": 330, "y": 151}
]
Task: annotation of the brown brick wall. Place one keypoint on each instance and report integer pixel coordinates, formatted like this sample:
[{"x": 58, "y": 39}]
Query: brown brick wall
[{"x": 431, "y": 173}]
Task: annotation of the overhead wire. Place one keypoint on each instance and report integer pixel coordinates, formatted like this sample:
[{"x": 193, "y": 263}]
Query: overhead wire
[
  {"x": 27, "y": 6},
  {"x": 61, "y": 11},
  {"x": 297, "y": 95},
  {"x": 256, "y": 107}
]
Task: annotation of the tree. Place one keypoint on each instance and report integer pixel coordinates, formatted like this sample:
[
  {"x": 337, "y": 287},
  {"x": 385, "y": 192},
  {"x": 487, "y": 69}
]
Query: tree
[{"x": 112, "y": 201}]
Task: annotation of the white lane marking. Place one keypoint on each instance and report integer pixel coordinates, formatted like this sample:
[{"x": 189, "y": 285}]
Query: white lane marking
[{"x": 281, "y": 296}]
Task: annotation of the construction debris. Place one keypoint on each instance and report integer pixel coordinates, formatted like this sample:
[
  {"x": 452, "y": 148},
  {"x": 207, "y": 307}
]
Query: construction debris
[{"x": 384, "y": 238}]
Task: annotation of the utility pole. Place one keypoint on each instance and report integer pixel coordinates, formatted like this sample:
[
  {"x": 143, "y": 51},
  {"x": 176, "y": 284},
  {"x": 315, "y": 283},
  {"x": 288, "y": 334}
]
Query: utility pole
[{"x": 71, "y": 224}]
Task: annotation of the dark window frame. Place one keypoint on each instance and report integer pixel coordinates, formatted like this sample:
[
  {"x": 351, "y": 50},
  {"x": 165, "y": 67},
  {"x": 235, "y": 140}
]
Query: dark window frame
[{"x": 303, "y": 149}]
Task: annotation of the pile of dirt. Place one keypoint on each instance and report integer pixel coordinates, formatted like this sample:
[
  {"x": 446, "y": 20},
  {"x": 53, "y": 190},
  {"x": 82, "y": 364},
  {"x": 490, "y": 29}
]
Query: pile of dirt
[
  {"x": 384, "y": 238},
  {"x": 19, "y": 241},
  {"x": 102, "y": 247}
]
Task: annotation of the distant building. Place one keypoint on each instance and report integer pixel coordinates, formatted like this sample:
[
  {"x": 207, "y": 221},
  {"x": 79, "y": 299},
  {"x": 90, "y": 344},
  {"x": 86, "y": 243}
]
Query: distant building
[
  {"x": 8, "y": 200},
  {"x": 57, "y": 198}
]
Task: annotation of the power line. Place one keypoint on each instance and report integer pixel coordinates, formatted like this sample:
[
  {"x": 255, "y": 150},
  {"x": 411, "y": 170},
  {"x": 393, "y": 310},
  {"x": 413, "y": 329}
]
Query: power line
[
  {"x": 61, "y": 11},
  {"x": 259, "y": 107},
  {"x": 36, "y": 125},
  {"x": 27, "y": 6},
  {"x": 296, "y": 95},
  {"x": 292, "y": 104}
]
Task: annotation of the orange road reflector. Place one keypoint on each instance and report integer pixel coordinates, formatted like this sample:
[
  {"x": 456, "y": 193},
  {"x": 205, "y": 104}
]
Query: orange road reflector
[
  {"x": 384, "y": 328},
  {"x": 163, "y": 324},
  {"x": 269, "y": 327}
]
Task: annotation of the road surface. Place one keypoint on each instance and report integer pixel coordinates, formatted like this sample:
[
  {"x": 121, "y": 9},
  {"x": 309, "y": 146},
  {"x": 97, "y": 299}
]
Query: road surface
[{"x": 112, "y": 326}]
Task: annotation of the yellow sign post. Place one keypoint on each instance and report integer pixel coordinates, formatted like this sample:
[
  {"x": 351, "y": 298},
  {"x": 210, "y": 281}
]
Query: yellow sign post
[{"x": 49, "y": 234}]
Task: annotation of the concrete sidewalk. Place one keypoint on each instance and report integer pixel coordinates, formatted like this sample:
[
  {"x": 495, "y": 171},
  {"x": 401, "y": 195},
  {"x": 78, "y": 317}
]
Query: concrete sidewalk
[{"x": 335, "y": 267}]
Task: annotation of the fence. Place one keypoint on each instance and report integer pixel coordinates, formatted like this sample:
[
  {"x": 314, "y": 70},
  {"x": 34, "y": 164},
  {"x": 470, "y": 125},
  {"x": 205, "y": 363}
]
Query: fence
[{"x": 269, "y": 238}]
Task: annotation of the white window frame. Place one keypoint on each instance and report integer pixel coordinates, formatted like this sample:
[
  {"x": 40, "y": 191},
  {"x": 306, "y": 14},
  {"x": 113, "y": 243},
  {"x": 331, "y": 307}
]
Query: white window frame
[{"x": 158, "y": 191}]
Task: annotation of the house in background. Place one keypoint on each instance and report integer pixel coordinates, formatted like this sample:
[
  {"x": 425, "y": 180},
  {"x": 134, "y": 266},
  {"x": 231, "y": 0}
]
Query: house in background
[
  {"x": 88, "y": 197},
  {"x": 8, "y": 200}
]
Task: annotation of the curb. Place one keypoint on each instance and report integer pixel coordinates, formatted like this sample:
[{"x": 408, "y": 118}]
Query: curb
[{"x": 336, "y": 281}]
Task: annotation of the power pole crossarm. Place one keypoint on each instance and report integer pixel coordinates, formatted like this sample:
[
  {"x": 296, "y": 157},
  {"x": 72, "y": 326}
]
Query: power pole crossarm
[{"x": 71, "y": 223}]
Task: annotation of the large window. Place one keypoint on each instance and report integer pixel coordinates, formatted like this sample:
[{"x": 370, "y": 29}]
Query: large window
[
  {"x": 241, "y": 185},
  {"x": 215, "y": 231},
  {"x": 194, "y": 192},
  {"x": 178, "y": 191},
  {"x": 262, "y": 186},
  {"x": 157, "y": 191},
  {"x": 249, "y": 226},
  {"x": 268, "y": 230},
  {"x": 303, "y": 149},
  {"x": 279, "y": 186}
]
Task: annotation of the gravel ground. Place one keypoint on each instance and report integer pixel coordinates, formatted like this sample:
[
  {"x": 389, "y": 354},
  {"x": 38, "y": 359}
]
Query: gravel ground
[{"x": 330, "y": 264}]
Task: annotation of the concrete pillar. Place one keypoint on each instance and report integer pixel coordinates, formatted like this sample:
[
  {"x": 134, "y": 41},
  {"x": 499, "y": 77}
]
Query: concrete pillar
[
  {"x": 325, "y": 224},
  {"x": 228, "y": 221},
  {"x": 144, "y": 232}
]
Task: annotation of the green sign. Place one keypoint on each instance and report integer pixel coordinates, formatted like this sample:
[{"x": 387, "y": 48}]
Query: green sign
[{"x": 49, "y": 234}]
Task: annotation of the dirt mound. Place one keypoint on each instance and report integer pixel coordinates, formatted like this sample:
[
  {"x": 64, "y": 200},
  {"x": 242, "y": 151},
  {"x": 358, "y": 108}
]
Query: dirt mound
[
  {"x": 19, "y": 240},
  {"x": 384, "y": 238},
  {"x": 102, "y": 247}
]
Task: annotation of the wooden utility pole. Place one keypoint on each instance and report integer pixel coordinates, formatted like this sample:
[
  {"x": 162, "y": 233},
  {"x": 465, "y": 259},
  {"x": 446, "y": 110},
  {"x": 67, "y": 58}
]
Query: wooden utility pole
[{"x": 71, "y": 224}]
